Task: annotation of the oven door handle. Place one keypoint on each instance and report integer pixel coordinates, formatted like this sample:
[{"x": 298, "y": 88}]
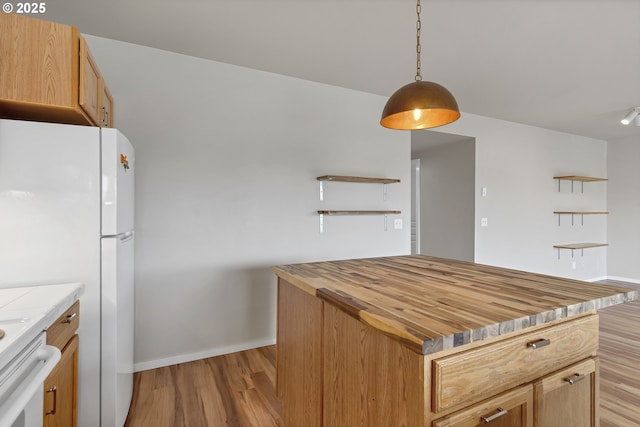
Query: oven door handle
[{"x": 49, "y": 357}]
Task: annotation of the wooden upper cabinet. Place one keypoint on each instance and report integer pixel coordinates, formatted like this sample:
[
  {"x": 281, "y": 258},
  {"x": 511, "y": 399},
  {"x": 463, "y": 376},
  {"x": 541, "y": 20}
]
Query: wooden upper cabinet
[
  {"x": 37, "y": 61},
  {"x": 106, "y": 103},
  {"x": 47, "y": 73},
  {"x": 90, "y": 86}
]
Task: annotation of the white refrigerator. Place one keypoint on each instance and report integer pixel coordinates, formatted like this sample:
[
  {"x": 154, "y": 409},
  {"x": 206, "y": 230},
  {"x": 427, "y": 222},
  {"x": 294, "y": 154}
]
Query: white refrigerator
[{"x": 67, "y": 215}]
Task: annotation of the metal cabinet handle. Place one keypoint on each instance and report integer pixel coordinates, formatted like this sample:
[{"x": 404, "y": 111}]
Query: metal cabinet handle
[
  {"x": 501, "y": 413},
  {"x": 53, "y": 390},
  {"x": 69, "y": 318},
  {"x": 575, "y": 378},
  {"x": 538, "y": 343}
]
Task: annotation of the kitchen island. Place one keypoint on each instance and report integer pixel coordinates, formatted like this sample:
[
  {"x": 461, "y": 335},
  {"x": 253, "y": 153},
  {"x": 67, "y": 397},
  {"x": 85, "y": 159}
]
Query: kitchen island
[{"x": 423, "y": 341}]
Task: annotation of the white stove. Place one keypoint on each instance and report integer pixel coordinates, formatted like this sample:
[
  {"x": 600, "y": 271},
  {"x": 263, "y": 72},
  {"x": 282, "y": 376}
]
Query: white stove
[
  {"x": 20, "y": 325},
  {"x": 25, "y": 359},
  {"x": 18, "y": 328}
]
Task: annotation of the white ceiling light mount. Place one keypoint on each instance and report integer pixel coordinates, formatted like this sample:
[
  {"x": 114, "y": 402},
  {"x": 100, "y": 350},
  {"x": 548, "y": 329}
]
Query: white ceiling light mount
[{"x": 632, "y": 116}]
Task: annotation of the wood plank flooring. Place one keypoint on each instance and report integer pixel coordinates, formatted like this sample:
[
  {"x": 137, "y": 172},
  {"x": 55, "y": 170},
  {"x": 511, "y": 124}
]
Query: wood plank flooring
[
  {"x": 239, "y": 389},
  {"x": 236, "y": 389},
  {"x": 620, "y": 363}
]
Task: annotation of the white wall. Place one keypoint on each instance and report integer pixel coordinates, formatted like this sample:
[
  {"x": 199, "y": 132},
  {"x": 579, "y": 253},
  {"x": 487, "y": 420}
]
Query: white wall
[
  {"x": 227, "y": 160},
  {"x": 223, "y": 196},
  {"x": 624, "y": 203},
  {"x": 516, "y": 163},
  {"x": 447, "y": 199}
]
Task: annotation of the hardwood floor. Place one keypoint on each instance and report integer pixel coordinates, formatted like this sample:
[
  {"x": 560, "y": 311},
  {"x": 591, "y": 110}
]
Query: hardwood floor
[
  {"x": 620, "y": 363},
  {"x": 239, "y": 389},
  {"x": 236, "y": 389}
]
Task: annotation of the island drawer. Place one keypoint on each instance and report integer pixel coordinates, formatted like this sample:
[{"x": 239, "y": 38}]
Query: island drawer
[
  {"x": 61, "y": 331},
  {"x": 513, "y": 408},
  {"x": 470, "y": 376}
]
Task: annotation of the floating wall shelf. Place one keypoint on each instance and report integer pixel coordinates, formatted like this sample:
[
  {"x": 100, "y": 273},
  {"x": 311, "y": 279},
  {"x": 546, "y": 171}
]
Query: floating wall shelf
[
  {"x": 343, "y": 178},
  {"x": 579, "y": 213},
  {"x": 362, "y": 179},
  {"x": 359, "y": 212},
  {"x": 579, "y": 178},
  {"x": 580, "y": 246}
]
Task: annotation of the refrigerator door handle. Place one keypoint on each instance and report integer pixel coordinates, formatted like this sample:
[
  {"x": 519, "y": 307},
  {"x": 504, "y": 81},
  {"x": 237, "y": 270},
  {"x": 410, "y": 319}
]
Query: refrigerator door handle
[{"x": 126, "y": 236}]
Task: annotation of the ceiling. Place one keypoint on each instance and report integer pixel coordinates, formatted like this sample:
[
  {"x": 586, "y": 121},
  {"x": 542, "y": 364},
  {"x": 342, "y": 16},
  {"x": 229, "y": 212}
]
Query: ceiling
[{"x": 567, "y": 65}]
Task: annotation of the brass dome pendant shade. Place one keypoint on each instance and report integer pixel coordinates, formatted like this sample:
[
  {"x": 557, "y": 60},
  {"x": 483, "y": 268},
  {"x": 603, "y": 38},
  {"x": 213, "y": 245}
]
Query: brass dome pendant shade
[{"x": 419, "y": 105}]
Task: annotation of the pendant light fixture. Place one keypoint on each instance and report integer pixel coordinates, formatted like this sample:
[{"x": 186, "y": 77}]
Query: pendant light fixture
[{"x": 419, "y": 105}]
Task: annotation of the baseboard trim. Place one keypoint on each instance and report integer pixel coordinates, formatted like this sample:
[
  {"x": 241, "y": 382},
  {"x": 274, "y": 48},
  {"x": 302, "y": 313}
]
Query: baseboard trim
[
  {"x": 190, "y": 357},
  {"x": 597, "y": 279},
  {"x": 624, "y": 279}
]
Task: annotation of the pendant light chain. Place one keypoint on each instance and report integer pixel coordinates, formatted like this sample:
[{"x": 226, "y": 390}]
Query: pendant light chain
[{"x": 418, "y": 46}]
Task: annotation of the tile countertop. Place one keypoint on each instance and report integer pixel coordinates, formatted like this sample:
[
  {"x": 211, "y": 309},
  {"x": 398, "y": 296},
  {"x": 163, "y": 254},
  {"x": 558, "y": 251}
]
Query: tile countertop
[
  {"x": 434, "y": 304},
  {"x": 27, "y": 311}
]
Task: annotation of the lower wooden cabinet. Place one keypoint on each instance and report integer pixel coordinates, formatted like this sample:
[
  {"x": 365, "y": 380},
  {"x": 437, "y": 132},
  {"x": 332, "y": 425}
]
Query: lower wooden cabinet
[
  {"x": 335, "y": 370},
  {"x": 510, "y": 409},
  {"x": 61, "y": 386},
  {"x": 470, "y": 376},
  {"x": 60, "y": 396},
  {"x": 568, "y": 398}
]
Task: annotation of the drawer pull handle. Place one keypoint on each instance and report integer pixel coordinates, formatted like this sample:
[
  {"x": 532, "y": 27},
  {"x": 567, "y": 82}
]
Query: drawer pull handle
[
  {"x": 53, "y": 390},
  {"x": 69, "y": 318},
  {"x": 539, "y": 343},
  {"x": 501, "y": 413},
  {"x": 576, "y": 378}
]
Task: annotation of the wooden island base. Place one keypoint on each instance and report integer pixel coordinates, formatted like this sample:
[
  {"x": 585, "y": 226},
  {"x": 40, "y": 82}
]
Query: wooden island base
[{"x": 362, "y": 354}]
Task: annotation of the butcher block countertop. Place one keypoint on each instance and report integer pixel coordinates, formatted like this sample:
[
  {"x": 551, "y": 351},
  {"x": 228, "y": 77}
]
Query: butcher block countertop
[{"x": 434, "y": 304}]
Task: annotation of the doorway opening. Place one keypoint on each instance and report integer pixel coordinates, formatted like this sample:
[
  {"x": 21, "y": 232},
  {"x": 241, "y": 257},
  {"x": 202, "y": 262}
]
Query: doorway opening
[{"x": 443, "y": 195}]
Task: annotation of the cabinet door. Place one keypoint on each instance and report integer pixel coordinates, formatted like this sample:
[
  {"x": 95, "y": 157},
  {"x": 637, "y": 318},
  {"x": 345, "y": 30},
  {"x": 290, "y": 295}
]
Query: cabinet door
[
  {"x": 89, "y": 90},
  {"x": 60, "y": 389},
  {"x": 568, "y": 398},
  {"x": 106, "y": 106},
  {"x": 511, "y": 409},
  {"x": 38, "y": 63}
]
